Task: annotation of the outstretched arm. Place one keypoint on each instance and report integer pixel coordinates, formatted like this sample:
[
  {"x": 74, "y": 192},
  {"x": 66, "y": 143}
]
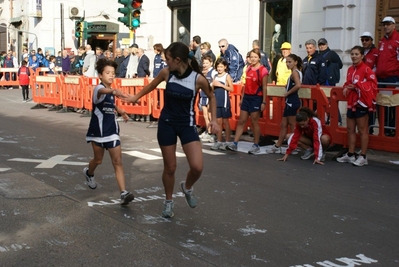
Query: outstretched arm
[{"x": 162, "y": 76}]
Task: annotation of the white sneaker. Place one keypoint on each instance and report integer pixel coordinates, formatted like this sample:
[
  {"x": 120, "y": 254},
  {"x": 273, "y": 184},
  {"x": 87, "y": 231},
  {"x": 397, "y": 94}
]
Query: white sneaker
[
  {"x": 254, "y": 149},
  {"x": 360, "y": 161},
  {"x": 308, "y": 154},
  {"x": 273, "y": 149},
  {"x": 217, "y": 145},
  {"x": 223, "y": 146},
  {"x": 346, "y": 158}
]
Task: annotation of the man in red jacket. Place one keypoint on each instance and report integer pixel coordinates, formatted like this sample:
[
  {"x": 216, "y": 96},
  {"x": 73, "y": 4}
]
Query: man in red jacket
[{"x": 388, "y": 66}]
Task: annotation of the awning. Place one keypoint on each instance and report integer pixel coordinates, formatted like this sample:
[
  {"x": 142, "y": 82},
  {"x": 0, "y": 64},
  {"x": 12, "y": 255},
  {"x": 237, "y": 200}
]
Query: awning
[{"x": 16, "y": 20}]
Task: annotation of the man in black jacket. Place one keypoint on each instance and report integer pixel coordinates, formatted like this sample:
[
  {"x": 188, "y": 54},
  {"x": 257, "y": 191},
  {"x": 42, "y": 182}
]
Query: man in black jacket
[
  {"x": 314, "y": 66},
  {"x": 143, "y": 69},
  {"x": 333, "y": 61}
]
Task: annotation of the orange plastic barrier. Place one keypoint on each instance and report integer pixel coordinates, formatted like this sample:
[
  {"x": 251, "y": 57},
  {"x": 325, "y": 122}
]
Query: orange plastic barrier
[
  {"x": 132, "y": 87},
  {"x": 47, "y": 90},
  {"x": 12, "y": 74},
  {"x": 379, "y": 142},
  {"x": 89, "y": 84},
  {"x": 73, "y": 89}
]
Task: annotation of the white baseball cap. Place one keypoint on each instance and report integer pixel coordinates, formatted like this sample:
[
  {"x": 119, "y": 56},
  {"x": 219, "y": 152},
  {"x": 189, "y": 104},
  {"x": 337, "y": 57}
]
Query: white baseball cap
[
  {"x": 389, "y": 19},
  {"x": 367, "y": 34}
]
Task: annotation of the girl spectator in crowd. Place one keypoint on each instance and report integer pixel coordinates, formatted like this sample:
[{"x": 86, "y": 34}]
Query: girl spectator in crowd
[
  {"x": 209, "y": 72},
  {"x": 52, "y": 65},
  {"x": 292, "y": 102},
  {"x": 23, "y": 77},
  {"x": 103, "y": 132},
  {"x": 183, "y": 80},
  {"x": 360, "y": 91},
  {"x": 253, "y": 100},
  {"x": 158, "y": 49},
  {"x": 222, "y": 85},
  {"x": 310, "y": 135},
  {"x": 206, "y": 51}
]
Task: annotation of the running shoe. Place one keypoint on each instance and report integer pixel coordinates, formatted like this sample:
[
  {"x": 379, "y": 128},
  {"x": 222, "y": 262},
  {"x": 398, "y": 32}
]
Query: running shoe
[
  {"x": 168, "y": 209},
  {"x": 346, "y": 158},
  {"x": 323, "y": 157},
  {"x": 360, "y": 161},
  {"x": 126, "y": 198},
  {"x": 254, "y": 149},
  {"x": 223, "y": 146},
  {"x": 308, "y": 154},
  {"x": 232, "y": 147},
  {"x": 217, "y": 145},
  {"x": 89, "y": 178},
  {"x": 191, "y": 200},
  {"x": 273, "y": 149}
]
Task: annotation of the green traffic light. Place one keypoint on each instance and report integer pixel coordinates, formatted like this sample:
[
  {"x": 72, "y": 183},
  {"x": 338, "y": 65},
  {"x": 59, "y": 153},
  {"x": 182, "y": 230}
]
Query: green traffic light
[
  {"x": 135, "y": 23},
  {"x": 77, "y": 34}
]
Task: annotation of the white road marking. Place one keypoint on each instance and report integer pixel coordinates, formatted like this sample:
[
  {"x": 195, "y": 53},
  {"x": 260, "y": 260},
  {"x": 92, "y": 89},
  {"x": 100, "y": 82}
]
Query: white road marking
[
  {"x": 9, "y": 142},
  {"x": 51, "y": 162},
  {"x": 4, "y": 169},
  {"x": 142, "y": 155}
]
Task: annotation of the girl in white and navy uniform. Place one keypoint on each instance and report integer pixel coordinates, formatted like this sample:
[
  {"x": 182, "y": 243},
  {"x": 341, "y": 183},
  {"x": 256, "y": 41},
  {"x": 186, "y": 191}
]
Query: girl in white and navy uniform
[
  {"x": 222, "y": 84},
  {"x": 183, "y": 80},
  {"x": 103, "y": 130}
]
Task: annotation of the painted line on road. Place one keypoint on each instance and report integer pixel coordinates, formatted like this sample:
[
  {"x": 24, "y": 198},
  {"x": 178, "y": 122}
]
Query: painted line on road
[
  {"x": 51, "y": 162},
  {"x": 4, "y": 169}
]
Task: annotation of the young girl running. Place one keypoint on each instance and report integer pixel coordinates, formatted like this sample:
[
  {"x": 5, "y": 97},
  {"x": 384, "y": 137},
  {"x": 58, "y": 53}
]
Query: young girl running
[
  {"x": 253, "y": 100},
  {"x": 292, "y": 102},
  {"x": 222, "y": 85},
  {"x": 310, "y": 135},
  {"x": 103, "y": 132},
  {"x": 209, "y": 72},
  {"x": 183, "y": 80}
]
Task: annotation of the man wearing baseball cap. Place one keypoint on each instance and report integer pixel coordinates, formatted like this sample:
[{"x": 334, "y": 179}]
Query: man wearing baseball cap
[
  {"x": 388, "y": 64},
  {"x": 370, "y": 59},
  {"x": 370, "y": 51},
  {"x": 282, "y": 72},
  {"x": 333, "y": 61}
]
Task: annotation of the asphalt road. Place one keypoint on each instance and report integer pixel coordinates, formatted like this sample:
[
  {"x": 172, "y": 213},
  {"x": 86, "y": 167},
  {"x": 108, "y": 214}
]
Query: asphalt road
[{"x": 253, "y": 210}]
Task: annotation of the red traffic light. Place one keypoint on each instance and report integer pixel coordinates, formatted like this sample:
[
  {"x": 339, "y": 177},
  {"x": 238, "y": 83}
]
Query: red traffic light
[{"x": 137, "y": 3}]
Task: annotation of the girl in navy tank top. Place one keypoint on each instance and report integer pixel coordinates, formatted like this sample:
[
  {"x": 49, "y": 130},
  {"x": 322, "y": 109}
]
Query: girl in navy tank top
[{"x": 183, "y": 80}]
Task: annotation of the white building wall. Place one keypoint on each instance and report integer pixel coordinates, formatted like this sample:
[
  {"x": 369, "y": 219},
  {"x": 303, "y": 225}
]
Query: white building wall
[{"x": 339, "y": 21}]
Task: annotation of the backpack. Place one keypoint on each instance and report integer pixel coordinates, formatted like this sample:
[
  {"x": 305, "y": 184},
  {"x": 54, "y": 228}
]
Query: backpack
[{"x": 259, "y": 80}]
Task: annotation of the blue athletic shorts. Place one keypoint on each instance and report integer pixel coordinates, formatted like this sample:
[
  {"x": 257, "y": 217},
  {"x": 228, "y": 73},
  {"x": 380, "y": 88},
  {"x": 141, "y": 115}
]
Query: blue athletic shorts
[
  {"x": 107, "y": 145},
  {"x": 291, "y": 109},
  {"x": 204, "y": 101},
  {"x": 224, "y": 113},
  {"x": 358, "y": 113},
  {"x": 251, "y": 103},
  {"x": 167, "y": 134}
]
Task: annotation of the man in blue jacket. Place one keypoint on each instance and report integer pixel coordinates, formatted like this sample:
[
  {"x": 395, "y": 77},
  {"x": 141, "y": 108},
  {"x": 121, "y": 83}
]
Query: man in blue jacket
[
  {"x": 314, "y": 66},
  {"x": 230, "y": 53}
]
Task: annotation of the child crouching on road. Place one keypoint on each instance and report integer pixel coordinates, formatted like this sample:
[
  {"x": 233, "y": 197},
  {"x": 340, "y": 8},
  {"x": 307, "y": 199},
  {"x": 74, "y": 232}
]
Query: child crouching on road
[
  {"x": 310, "y": 135},
  {"x": 103, "y": 132}
]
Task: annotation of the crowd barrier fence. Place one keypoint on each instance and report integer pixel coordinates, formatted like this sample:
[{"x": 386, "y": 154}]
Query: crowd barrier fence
[{"x": 76, "y": 92}]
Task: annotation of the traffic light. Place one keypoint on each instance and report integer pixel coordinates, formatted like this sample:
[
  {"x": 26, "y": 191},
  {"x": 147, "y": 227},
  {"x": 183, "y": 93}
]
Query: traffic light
[
  {"x": 126, "y": 11},
  {"x": 78, "y": 28},
  {"x": 87, "y": 30},
  {"x": 136, "y": 7}
]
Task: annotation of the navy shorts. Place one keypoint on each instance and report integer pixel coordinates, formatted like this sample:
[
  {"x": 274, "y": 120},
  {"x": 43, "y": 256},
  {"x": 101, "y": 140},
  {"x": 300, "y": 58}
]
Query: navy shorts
[
  {"x": 224, "y": 113},
  {"x": 358, "y": 113},
  {"x": 291, "y": 109},
  {"x": 204, "y": 101},
  {"x": 107, "y": 145},
  {"x": 167, "y": 134},
  {"x": 251, "y": 103}
]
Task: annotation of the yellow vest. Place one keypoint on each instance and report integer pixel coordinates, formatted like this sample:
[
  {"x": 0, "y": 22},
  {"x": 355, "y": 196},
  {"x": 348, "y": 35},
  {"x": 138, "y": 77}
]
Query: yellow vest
[{"x": 282, "y": 72}]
